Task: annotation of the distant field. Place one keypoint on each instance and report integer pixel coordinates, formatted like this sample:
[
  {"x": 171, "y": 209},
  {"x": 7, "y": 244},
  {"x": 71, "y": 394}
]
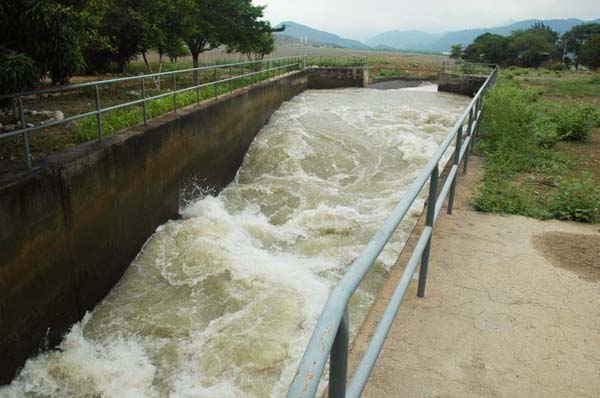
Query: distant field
[{"x": 401, "y": 59}]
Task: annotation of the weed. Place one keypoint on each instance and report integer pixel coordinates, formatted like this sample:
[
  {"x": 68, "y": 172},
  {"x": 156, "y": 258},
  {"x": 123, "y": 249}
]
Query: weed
[
  {"x": 574, "y": 122},
  {"x": 524, "y": 173},
  {"x": 577, "y": 200}
]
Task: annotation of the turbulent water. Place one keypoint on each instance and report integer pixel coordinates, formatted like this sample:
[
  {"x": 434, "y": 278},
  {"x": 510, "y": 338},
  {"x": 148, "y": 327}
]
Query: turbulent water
[{"x": 221, "y": 303}]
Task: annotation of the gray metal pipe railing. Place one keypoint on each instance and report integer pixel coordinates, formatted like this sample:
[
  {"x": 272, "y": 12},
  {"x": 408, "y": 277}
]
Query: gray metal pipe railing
[
  {"x": 283, "y": 64},
  {"x": 331, "y": 329}
]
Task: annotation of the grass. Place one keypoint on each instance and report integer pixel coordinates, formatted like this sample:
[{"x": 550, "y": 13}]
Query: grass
[
  {"x": 87, "y": 129},
  {"x": 541, "y": 145}
]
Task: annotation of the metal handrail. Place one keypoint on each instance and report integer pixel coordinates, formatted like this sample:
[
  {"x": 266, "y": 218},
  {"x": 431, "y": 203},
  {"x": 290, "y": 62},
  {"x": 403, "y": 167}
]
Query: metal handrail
[
  {"x": 455, "y": 66},
  {"x": 23, "y": 130},
  {"x": 330, "y": 336}
]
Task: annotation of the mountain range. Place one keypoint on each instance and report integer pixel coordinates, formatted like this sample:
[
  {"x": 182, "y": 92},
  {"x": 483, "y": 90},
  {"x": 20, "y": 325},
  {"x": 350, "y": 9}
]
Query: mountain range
[
  {"x": 415, "y": 40},
  {"x": 297, "y": 31}
]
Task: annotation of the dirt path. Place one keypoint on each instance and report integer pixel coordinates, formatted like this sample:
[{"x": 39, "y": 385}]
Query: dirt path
[{"x": 507, "y": 314}]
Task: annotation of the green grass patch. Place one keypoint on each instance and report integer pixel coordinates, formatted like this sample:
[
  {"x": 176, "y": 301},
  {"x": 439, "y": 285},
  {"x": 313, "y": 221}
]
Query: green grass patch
[
  {"x": 524, "y": 172},
  {"x": 87, "y": 129}
]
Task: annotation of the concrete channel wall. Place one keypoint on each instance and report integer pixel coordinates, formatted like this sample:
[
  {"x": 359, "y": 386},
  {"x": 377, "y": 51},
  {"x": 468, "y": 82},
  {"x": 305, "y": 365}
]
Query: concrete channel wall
[
  {"x": 70, "y": 228},
  {"x": 328, "y": 78},
  {"x": 460, "y": 83}
]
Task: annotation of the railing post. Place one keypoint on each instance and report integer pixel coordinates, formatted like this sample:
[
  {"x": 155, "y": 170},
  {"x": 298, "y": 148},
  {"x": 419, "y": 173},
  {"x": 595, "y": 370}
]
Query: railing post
[
  {"x": 459, "y": 135},
  {"x": 480, "y": 116},
  {"x": 338, "y": 366},
  {"x": 25, "y": 134},
  {"x": 174, "y": 92},
  {"x": 230, "y": 80},
  {"x": 472, "y": 115},
  {"x": 98, "y": 114},
  {"x": 431, "y": 202},
  {"x": 197, "y": 83},
  {"x": 215, "y": 84},
  {"x": 144, "y": 110},
  {"x": 478, "y": 121}
]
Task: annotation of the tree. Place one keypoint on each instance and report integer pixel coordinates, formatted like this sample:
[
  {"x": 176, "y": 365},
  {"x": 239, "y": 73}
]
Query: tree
[
  {"x": 534, "y": 46},
  {"x": 456, "y": 52},
  {"x": 574, "y": 40},
  {"x": 48, "y": 32},
  {"x": 489, "y": 48},
  {"x": 204, "y": 25},
  {"x": 254, "y": 37},
  {"x": 208, "y": 24},
  {"x": 124, "y": 26},
  {"x": 590, "y": 52},
  {"x": 162, "y": 30}
]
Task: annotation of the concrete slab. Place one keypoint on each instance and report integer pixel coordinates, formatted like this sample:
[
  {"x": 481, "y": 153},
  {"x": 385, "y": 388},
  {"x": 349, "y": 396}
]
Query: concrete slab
[{"x": 499, "y": 319}]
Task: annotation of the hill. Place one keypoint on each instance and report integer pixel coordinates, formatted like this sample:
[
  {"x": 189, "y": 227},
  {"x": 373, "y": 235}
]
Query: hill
[
  {"x": 417, "y": 40},
  {"x": 296, "y": 30},
  {"x": 404, "y": 39},
  {"x": 285, "y": 40}
]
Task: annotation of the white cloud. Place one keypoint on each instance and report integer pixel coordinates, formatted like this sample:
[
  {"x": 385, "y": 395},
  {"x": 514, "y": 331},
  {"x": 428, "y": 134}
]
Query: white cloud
[{"x": 361, "y": 19}]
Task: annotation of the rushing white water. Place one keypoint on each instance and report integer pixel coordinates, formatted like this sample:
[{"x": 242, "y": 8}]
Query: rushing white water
[{"x": 222, "y": 302}]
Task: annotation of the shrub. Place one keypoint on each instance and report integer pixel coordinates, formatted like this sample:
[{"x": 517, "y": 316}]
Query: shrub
[
  {"x": 574, "y": 122},
  {"x": 554, "y": 66},
  {"x": 576, "y": 200},
  {"x": 509, "y": 114},
  {"x": 17, "y": 73},
  {"x": 545, "y": 132}
]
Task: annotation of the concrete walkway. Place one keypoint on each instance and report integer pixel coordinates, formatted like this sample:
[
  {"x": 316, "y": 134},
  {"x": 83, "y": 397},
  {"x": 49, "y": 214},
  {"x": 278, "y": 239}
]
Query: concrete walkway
[{"x": 500, "y": 319}]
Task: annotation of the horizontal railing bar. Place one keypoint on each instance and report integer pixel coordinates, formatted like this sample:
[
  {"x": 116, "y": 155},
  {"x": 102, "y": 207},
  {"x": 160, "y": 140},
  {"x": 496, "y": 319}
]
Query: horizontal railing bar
[
  {"x": 465, "y": 147},
  {"x": 137, "y": 77},
  {"x": 136, "y": 102},
  {"x": 365, "y": 367},
  {"x": 49, "y": 124}
]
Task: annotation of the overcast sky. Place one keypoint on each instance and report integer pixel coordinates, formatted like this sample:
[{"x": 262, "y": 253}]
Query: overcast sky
[{"x": 362, "y": 19}]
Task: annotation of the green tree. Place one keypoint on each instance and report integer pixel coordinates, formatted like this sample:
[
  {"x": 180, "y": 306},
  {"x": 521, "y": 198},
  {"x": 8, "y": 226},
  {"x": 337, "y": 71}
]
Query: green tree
[
  {"x": 205, "y": 25},
  {"x": 456, "y": 52},
  {"x": 574, "y": 40},
  {"x": 162, "y": 31},
  {"x": 124, "y": 26},
  {"x": 253, "y": 36},
  {"x": 534, "y": 46},
  {"x": 48, "y": 32},
  {"x": 590, "y": 52},
  {"x": 489, "y": 48}
]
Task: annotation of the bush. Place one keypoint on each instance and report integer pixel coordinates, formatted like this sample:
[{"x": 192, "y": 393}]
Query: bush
[
  {"x": 575, "y": 122},
  {"x": 545, "y": 133},
  {"x": 554, "y": 66},
  {"x": 17, "y": 73},
  {"x": 509, "y": 114},
  {"x": 595, "y": 79},
  {"x": 576, "y": 200}
]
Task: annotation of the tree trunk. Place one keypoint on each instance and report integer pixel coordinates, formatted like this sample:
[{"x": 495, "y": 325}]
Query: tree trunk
[{"x": 195, "y": 62}]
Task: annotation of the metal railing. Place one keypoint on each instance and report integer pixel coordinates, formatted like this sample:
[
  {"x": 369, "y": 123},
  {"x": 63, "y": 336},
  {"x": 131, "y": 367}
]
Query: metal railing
[
  {"x": 467, "y": 68},
  {"x": 330, "y": 338},
  {"x": 254, "y": 70},
  {"x": 342, "y": 61}
]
